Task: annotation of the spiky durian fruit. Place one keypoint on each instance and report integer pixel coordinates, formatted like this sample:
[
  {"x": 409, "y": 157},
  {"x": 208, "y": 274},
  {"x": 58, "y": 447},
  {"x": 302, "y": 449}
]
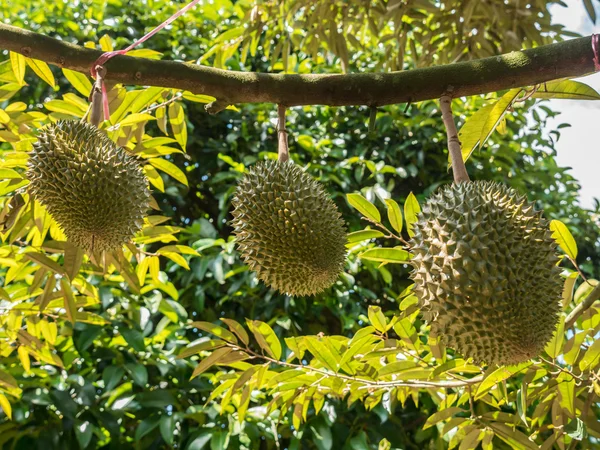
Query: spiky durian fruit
[
  {"x": 287, "y": 229},
  {"x": 95, "y": 190},
  {"x": 485, "y": 272}
]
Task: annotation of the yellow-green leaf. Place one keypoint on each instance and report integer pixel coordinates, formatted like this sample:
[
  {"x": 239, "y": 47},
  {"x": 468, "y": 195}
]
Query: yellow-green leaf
[
  {"x": 5, "y": 405},
  {"x": 377, "y": 318},
  {"x": 42, "y": 70},
  {"x": 566, "y": 392},
  {"x": 411, "y": 209},
  {"x": 564, "y": 238},
  {"x": 496, "y": 114},
  {"x": 106, "y": 43},
  {"x": 363, "y": 235},
  {"x": 44, "y": 261},
  {"x": 266, "y": 337},
  {"x": 178, "y": 124},
  {"x": 154, "y": 177},
  {"x": 567, "y": 89},
  {"x": 17, "y": 62},
  {"x": 169, "y": 168},
  {"x": 554, "y": 347},
  {"x": 441, "y": 415},
  {"x": 364, "y": 206},
  {"x": 218, "y": 331},
  {"x": 24, "y": 358},
  {"x": 69, "y": 299},
  {"x": 72, "y": 260},
  {"x": 79, "y": 81},
  {"x": 498, "y": 375},
  {"x": 387, "y": 255},
  {"x": 211, "y": 360},
  {"x": 591, "y": 356},
  {"x": 394, "y": 214}
]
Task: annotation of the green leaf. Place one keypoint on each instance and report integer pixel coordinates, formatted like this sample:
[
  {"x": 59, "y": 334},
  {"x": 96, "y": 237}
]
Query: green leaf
[
  {"x": 589, "y": 7},
  {"x": 72, "y": 260},
  {"x": 238, "y": 329},
  {"x": 83, "y": 433},
  {"x": 514, "y": 438},
  {"x": 146, "y": 426},
  {"x": 218, "y": 331},
  {"x": 170, "y": 169},
  {"x": 322, "y": 437},
  {"x": 388, "y": 255},
  {"x": 498, "y": 375},
  {"x": 321, "y": 352},
  {"x": 67, "y": 293},
  {"x": 566, "y": 392},
  {"x": 377, "y": 318},
  {"x": 138, "y": 373},
  {"x": 496, "y": 114},
  {"x": 365, "y": 207},
  {"x": 554, "y": 347},
  {"x": 167, "y": 427},
  {"x": 134, "y": 338},
  {"x": 79, "y": 81},
  {"x": 135, "y": 118},
  {"x": 266, "y": 337},
  {"x": 441, "y": 415},
  {"x": 42, "y": 70},
  {"x": 219, "y": 440},
  {"x": 44, "y": 261},
  {"x": 564, "y": 238},
  {"x": 470, "y": 133},
  {"x": 211, "y": 360},
  {"x": 5, "y": 406},
  {"x": 154, "y": 177},
  {"x": 584, "y": 290},
  {"x": 111, "y": 376},
  {"x": 17, "y": 62},
  {"x": 591, "y": 356},
  {"x": 411, "y": 209},
  {"x": 567, "y": 89},
  {"x": 178, "y": 123},
  {"x": 394, "y": 214},
  {"x": 363, "y": 235}
]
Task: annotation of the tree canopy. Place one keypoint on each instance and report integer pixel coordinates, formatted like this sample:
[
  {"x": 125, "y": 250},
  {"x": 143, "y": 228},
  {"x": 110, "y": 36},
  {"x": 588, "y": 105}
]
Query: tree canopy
[{"x": 172, "y": 342}]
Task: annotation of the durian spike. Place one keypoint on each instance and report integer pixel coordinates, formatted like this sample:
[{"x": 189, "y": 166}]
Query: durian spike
[
  {"x": 458, "y": 165},
  {"x": 283, "y": 150}
]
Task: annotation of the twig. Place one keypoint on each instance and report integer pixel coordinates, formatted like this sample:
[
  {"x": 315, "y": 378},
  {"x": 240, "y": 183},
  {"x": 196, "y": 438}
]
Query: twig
[
  {"x": 458, "y": 165},
  {"x": 582, "y": 307},
  {"x": 390, "y": 234},
  {"x": 368, "y": 383},
  {"x": 283, "y": 148},
  {"x": 562, "y": 369}
]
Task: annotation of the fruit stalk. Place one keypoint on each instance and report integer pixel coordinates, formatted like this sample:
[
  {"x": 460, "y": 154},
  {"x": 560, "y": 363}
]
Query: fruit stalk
[
  {"x": 458, "y": 165},
  {"x": 284, "y": 152}
]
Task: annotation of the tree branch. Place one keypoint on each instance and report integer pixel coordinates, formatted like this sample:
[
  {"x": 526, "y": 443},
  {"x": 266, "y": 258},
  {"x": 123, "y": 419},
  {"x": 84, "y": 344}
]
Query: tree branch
[
  {"x": 582, "y": 307},
  {"x": 570, "y": 58}
]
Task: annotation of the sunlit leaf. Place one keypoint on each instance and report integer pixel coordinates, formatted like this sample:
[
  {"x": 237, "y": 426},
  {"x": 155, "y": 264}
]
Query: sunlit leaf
[
  {"x": 564, "y": 238},
  {"x": 79, "y": 81},
  {"x": 365, "y": 207},
  {"x": 266, "y": 337},
  {"x": 216, "y": 330},
  {"x": 170, "y": 169},
  {"x": 42, "y": 70},
  {"x": 211, "y": 360},
  {"x": 567, "y": 89},
  {"x": 411, "y": 209},
  {"x": 18, "y": 66},
  {"x": 388, "y": 255},
  {"x": 394, "y": 214},
  {"x": 5, "y": 405}
]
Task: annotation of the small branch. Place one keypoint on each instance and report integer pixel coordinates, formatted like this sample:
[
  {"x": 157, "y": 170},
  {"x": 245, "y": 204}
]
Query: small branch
[
  {"x": 366, "y": 382},
  {"x": 582, "y": 307},
  {"x": 458, "y": 165},
  {"x": 567, "y": 59},
  {"x": 390, "y": 234},
  {"x": 283, "y": 148}
]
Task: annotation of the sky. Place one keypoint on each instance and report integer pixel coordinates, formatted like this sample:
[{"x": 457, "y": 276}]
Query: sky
[{"x": 579, "y": 145}]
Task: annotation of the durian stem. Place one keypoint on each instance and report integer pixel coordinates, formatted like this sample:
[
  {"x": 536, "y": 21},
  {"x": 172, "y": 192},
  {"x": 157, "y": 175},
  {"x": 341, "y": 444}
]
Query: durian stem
[
  {"x": 283, "y": 151},
  {"x": 458, "y": 165},
  {"x": 582, "y": 307},
  {"x": 96, "y": 97}
]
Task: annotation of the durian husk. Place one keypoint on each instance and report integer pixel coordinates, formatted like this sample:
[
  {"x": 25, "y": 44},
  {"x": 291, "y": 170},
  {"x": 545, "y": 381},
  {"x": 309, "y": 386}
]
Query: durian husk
[
  {"x": 485, "y": 272},
  {"x": 95, "y": 190},
  {"x": 287, "y": 229}
]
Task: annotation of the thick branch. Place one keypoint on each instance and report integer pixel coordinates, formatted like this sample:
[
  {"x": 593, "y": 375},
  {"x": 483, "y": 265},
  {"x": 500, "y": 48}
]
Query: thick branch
[
  {"x": 524, "y": 68},
  {"x": 458, "y": 165},
  {"x": 582, "y": 307}
]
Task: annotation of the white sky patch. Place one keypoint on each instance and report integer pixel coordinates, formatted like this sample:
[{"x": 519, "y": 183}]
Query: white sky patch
[{"x": 579, "y": 145}]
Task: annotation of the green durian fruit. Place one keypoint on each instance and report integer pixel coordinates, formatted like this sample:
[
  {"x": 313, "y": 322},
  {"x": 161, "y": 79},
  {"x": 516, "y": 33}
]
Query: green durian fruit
[
  {"x": 485, "y": 272},
  {"x": 95, "y": 190},
  {"x": 287, "y": 229}
]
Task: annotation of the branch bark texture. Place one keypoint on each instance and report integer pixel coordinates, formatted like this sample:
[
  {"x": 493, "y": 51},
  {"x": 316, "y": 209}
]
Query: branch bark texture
[
  {"x": 582, "y": 307},
  {"x": 524, "y": 68}
]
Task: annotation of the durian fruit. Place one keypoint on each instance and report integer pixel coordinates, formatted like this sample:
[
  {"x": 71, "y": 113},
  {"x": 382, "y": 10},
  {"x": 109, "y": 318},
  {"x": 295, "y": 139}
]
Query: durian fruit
[
  {"x": 95, "y": 190},
  {"x": 485, "y": 272},
  {"x": 287, "y": 229}
]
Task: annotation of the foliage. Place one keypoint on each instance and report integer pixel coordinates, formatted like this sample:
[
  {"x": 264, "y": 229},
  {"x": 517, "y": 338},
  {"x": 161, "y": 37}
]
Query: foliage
[{"x": 173, "y": 343}]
